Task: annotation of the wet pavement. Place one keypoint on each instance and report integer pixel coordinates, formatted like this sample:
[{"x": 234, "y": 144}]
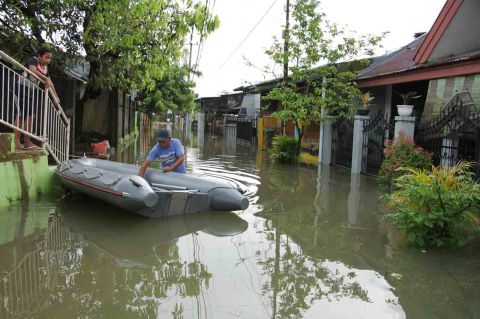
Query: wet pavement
[{"x": 312, "y": 244}]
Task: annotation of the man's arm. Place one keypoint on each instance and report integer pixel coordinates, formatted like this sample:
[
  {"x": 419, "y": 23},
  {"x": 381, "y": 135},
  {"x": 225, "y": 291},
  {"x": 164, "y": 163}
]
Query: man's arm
[
  {"x": 144, "y": 167},
  {"x": 176, "y": 164}
]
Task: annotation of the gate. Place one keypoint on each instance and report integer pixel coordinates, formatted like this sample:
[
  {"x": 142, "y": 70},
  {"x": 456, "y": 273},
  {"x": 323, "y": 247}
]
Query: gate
[
  {"x": 454, "y": 135},
  {"x": 244, "y": 130},
  {"x": 246, "y": 127},
  {"x": 374, "y": 132},
  {"x": 342, "y": 141}
]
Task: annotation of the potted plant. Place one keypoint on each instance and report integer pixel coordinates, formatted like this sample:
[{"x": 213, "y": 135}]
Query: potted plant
[
  {"x": 406, "y": 109},
  {"x": 366, "y": 100}
]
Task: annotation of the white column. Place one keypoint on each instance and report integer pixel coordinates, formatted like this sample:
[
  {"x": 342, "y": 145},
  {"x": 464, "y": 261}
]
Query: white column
[
  {"x": 387, "y": 107},
  {"x": 449, "y": 152},
  {"x": 325, "y": 143},
  {"x": 200, "y": 129},
  {"x": 357, "y": 147},
  {"x": 353, "y": 202},
  {"x": 404, "y": 125}
]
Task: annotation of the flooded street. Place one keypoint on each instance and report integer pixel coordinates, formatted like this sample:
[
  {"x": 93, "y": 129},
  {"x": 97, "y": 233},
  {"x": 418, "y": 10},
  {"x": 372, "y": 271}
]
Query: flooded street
[{"x": 311, "y": 245}]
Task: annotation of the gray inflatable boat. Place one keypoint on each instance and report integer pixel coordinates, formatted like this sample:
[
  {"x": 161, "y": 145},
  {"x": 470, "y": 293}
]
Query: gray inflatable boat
[{"x": 157, "y": 195}]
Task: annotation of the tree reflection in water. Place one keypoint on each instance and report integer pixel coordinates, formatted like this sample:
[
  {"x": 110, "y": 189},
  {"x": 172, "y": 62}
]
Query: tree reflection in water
[{"x": 309, "y": 268}]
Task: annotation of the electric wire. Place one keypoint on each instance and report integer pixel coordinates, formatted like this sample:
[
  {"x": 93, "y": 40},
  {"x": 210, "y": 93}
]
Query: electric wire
[{"x": 244, "y": 39}]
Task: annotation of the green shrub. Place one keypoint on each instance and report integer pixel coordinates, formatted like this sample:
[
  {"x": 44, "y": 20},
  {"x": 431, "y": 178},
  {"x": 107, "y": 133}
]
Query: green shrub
[
  {"x": 401, "y": 153},
  {"x": 269, "y": 134},
  {"x": 284, "y": 149},
  {"x": 438, "y": 207}
]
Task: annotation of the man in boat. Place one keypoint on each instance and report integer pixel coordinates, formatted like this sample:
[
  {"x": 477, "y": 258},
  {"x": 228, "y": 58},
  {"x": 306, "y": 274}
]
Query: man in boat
[{"x": 170, "y": 153}]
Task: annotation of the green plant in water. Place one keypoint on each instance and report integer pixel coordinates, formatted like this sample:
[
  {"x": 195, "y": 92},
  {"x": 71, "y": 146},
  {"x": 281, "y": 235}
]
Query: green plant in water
[
  {"x": 284, "y": 149},
  {"x": 438, "y": 207},
  {"x": 401, "y": 153},
  {"x": 269, "y": 134}
]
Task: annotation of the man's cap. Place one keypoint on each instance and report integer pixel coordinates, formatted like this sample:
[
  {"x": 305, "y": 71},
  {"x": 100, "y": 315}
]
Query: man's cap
[{"x": 163, "y": 135}]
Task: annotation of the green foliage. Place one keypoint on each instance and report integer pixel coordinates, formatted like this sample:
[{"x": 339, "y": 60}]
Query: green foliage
[
  {"x": 438, "y": 207},
  {"x": 284, "y": 149},
  {"x": 134, "y": 42},
  {"x": 401, "y": 153},
  {"x": 129, "y": 44},
  {"x": 269, "y": 135},
  {"x": 174, "y": 91},
  {"x": 408, "y": 96},
  {"x": 366, "y": 99},
  {"x": 312, "y": 92}
]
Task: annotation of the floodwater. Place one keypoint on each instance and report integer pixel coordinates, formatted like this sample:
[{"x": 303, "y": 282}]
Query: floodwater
[{"x": 311, "y": 245}]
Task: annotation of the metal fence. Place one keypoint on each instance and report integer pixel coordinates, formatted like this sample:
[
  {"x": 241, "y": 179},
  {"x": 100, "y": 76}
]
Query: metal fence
[
  {"x": 342, "y": 142},
  {"x": 374, "y": 134},
  {"x": 33, "y": 111},
  {"x": 25, "y": 288},
  {"x": 246, "y": 127},
  {"x": 453, "y": 135}
]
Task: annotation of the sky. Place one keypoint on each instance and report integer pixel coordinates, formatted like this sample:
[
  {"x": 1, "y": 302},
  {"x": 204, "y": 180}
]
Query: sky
[{"x": 223, "y": 61}]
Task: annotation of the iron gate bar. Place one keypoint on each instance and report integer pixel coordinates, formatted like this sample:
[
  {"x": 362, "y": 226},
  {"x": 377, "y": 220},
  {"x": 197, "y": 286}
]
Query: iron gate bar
[
  {"x": 373, "y": 142},
  {"x": 342, "y": 142},
  {"x": 454, "y": 134}
]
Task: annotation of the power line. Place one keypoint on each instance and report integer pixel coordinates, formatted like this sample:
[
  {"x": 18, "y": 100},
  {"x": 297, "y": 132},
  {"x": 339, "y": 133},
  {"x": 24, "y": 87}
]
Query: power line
[{"x": 245, "y": 38}]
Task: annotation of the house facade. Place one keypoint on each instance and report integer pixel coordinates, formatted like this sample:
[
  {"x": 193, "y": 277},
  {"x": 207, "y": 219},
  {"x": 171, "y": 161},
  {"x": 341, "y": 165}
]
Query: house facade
[{"x": 443, "y": 66}]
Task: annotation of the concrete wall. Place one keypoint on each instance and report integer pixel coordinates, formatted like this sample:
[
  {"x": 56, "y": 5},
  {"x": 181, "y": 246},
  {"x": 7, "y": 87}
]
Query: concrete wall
[{"x": 23, "y": 175}]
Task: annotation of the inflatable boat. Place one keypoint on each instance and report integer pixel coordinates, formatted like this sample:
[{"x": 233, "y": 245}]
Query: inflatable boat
[{"x": 158, "y": 194}]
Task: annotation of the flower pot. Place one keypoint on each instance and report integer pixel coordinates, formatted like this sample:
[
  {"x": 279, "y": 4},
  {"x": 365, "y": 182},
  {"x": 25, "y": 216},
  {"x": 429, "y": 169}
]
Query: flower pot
[
  {"x": 404, "y": 110},
  {"x": 363, "y": 112}
]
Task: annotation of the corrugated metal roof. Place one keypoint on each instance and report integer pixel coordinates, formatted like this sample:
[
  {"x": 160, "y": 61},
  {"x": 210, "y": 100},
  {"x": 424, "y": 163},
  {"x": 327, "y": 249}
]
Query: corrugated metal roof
[
  {"x": 394, "y": 62},
  {"x": 402, "y": 60}
]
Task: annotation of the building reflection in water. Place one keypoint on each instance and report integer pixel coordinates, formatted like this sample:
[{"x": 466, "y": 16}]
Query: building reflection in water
[{"x": 93, "y": 262}]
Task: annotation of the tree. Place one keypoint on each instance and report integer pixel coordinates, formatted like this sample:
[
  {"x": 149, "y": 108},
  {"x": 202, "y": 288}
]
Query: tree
[
  {"x": 174, "y": 91},
  {"x": 320, "y": 74},
  {"x": 128, "y": 43},
  {"x": 134, "y": 42}
]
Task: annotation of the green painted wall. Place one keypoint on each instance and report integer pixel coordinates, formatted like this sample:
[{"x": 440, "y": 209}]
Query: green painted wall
[
  {"x": 19, "y": 221},
  {"x": 24, "y": 179}
]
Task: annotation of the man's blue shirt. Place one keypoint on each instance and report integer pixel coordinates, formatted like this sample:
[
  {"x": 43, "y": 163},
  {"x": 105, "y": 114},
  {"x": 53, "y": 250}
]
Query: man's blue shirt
[{"x": 168, "y": 155}]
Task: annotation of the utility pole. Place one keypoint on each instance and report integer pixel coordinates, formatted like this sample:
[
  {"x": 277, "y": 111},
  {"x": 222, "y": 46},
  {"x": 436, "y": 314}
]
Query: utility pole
[
  {"x": 285, "y": 43},
  {"x": 186, "y": 115},
  {"x": 190, "y": 56},
  {"x": 285, "y": 52}
]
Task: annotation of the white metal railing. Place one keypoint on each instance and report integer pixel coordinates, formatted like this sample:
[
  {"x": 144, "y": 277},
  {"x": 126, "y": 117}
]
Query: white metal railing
[{"x": 33, "y": 111}]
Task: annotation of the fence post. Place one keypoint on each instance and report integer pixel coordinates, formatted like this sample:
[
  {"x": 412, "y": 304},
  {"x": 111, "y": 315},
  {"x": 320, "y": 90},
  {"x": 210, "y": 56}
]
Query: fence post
[
  {"x": 449, "y": 151},
  {"x": 357, "y": 146},
  {"x": 404, "y": 125},
  {"x": 260, "y": 133},
  {"x": 325, "y": 143},
  {"x": 200, "y": 129}
]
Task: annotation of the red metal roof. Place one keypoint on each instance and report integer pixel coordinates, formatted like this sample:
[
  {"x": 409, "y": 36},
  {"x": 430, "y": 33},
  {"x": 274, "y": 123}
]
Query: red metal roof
[
  {"x": 414, "y": 56},
  {"x": 441, "y": 23},
  {"x": 395, "y": 62}
]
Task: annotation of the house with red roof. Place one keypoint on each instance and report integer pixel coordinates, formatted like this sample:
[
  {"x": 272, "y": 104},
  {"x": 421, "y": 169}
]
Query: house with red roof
[
  {"x": 443, "y": 67},
  {"x": 438, "y": 64}
]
